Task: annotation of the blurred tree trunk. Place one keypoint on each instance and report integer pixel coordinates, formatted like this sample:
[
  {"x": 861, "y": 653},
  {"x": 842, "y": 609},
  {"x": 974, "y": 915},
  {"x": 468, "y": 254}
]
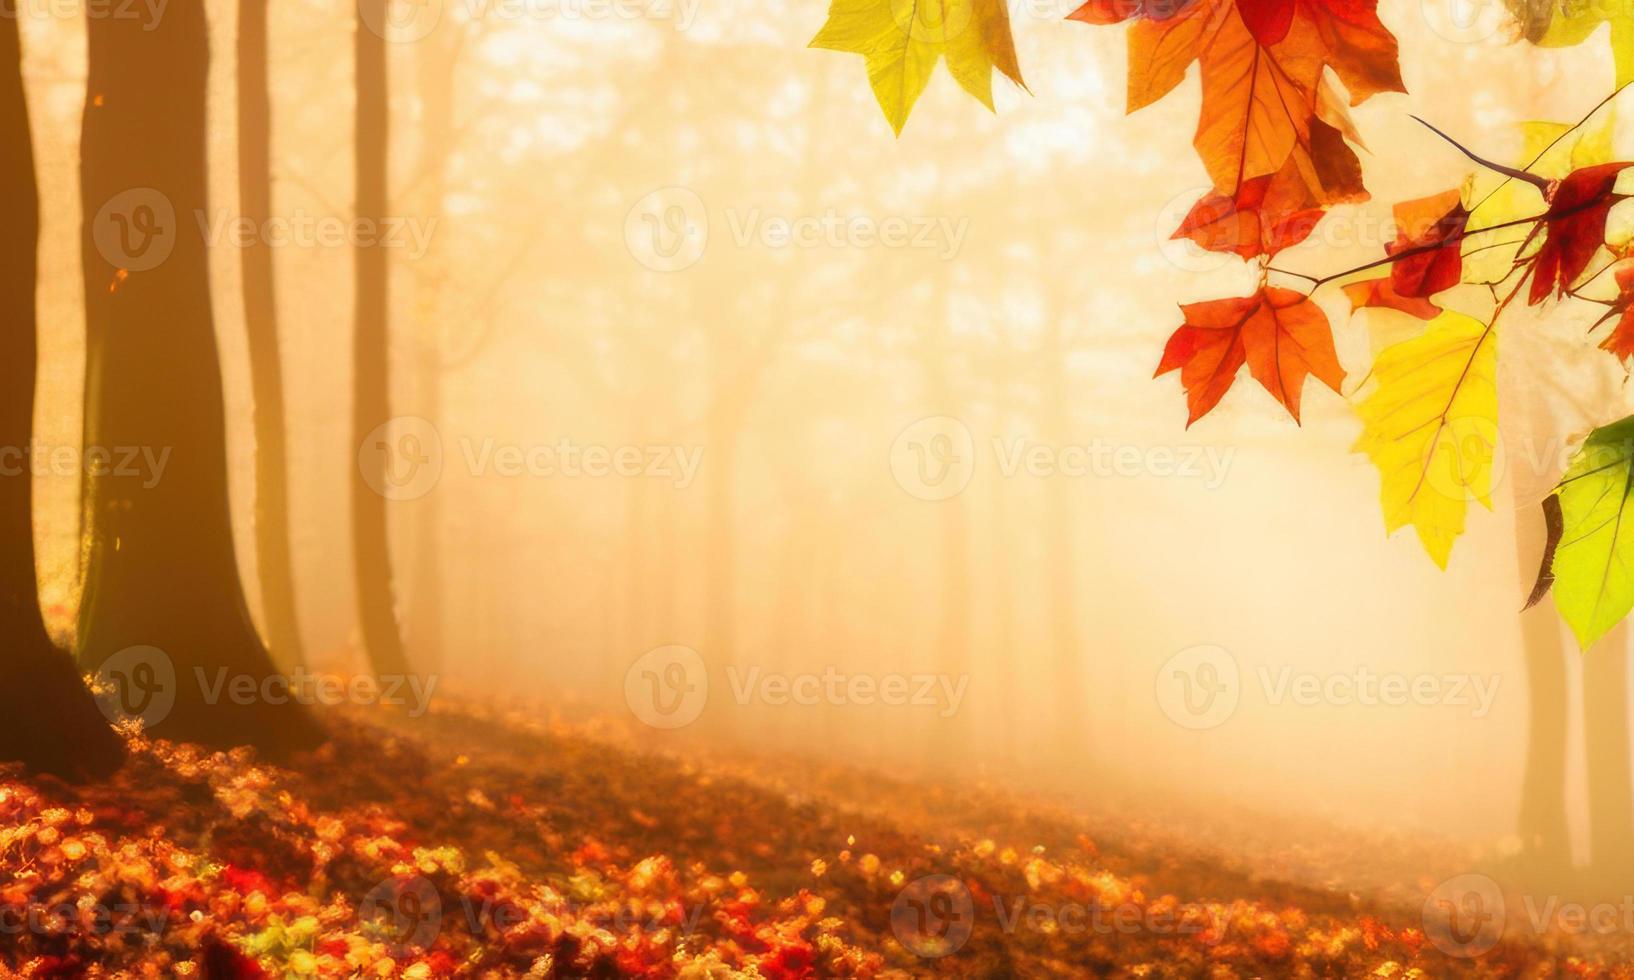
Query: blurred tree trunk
[
  {"x": 1611, "y": 782},
  {"x": 1060, "y": 565},
  {"x": 720, "y": 549},
  {"x": 436, "y": 55},
  {"x": 1543, "y": 830},
  {"x": 160, "y": 568},
  {"x": 952, "y": 654},
  {"x": 274, "y": 563},
  {"x": 371, "y": 396},
  {"x": 48, "y": 720},
  {"x": 1002, "y": 655}
]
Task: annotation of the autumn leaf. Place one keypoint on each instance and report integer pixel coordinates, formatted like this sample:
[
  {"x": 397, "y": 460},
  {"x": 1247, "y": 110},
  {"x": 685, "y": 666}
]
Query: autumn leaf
[
  {"x": 1360, "y": 49},
  {"x": 1429, "y": 237},
  {"x": 1280, "y": 334},
  {"x": 1621, "y": 339},
  {"x": 1554, "y": 526},
  {"x": 1268, "y": 20},
  {"x": 1381, "y": 294},
  {"x": 902, "y": 40},
  {"x": 1161, "y": 50},
  {"x": 1559, "y": 25},
  {"x": 1574, "y": 227},
  {"x": 1258, "y": 102},
  {"x": 1431, "y": 427},
  {"x": 1265, "y": 216},
  {"x": 1551, "y": 150},
  {"x": 1594, "y": 562},
  {"x": 1117, "y": 11}
]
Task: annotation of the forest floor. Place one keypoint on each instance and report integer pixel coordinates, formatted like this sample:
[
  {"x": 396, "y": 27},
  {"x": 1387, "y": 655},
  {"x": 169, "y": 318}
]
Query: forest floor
[{"x": 481, "y": 842}]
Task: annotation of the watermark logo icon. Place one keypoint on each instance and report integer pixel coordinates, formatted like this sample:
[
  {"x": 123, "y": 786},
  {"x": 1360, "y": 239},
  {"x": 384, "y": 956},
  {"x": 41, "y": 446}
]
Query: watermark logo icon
[
  {"x": 1181, "y": 252},
  {"x": 1465, "y": 21},
  {"x": 407, "y": 912},
  {"x": 1199, "y": 687},
  {"x": 135, "y": 230},
  {"x": 137, "y": 683},
  {"x": 1467, "y": 453},
  {"x": 667, "y": 687},
  {"x": 933, "y": 916},
  {"x": 401, "y": 21},
  {"x": 934, "y": 458},
  {"x": 402, "y": 458},
  {"x": 1465, "y": 916},
  {"x": 668, "y": 230}
]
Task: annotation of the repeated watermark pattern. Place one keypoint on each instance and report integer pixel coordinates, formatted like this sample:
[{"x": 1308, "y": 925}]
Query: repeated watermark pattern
[
  {"x": 1201, "y": 688},
  {"x": 141, "y": 683},
  {"x": 145, "y": 465},
  {"x": 668, "y": 687},
  {"x": 1467, "y": 915},
  {"x": 138, "y": 229},
  {"x": 669, "y": 230},
  {"x": 408, "y": 914},
  {"x": 408, "y": 21},
  {"x": 934, "y": 916},
  {"x": 936, "y": 458},
  {"x": 404, "y": 459}
]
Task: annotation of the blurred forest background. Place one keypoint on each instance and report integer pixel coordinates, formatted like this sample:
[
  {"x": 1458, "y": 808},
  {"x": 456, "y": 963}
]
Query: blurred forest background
[{"x": 528, "y": 142}]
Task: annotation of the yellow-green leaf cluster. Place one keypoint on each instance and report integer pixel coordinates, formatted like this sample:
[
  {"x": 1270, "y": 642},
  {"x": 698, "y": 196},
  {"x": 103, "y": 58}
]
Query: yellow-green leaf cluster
[
  {"x": 902, "y": 40},
  {"x": 1594, "y": 563}
]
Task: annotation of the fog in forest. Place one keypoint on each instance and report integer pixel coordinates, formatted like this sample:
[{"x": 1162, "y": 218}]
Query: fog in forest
[{"x": 687, "y": 349}]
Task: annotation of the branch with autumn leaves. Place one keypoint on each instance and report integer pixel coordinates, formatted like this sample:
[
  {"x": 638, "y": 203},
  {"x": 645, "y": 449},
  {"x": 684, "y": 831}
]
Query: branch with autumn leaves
[{"x": 1275, "y": 135}]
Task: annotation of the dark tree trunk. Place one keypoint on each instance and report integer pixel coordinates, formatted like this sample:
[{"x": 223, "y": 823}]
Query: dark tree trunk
[
  {"x": 274, "y": 563},
  {"x": 371, "y": 406},
  {"x": 1544, "y": 836},
  {"x": 48, "y": 720},
  {"x": 160, "y": 568}
]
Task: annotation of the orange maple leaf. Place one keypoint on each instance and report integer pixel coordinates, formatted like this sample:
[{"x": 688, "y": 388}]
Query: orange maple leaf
[
  {"x": 1621, "y": 339},
  {"x": 1432, "y": 230},
  {"x": 1265, "y": 215},
  {"x": 1280, "y": 334},
  {"x": 1381, "y": 294}
]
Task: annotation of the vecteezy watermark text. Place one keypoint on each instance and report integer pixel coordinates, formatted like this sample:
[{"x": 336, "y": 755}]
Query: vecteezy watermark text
[
  {"x": 141, "y": 683},
  {"x": 143, "y": 463}
]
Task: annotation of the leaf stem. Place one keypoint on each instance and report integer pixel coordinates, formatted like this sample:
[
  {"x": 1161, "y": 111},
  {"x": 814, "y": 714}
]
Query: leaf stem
[{"x": 1513, "y": 173}]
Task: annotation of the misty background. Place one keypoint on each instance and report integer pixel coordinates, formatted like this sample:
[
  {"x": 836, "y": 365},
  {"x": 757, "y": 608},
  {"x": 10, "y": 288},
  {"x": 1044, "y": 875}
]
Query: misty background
[{"x": 553, "y": 168}]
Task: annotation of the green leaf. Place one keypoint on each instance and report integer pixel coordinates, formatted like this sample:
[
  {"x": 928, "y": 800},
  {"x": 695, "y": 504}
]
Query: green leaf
[{"x": 1594, "y": 580}]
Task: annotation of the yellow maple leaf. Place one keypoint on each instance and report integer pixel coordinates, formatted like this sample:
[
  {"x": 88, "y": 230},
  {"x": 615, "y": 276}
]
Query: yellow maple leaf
[
  {"x": 1431, "y": 428},
  {"x": 902, "y": 40}
]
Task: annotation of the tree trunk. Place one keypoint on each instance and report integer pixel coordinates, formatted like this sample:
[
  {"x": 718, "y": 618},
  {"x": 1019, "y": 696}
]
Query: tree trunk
[
  {"x": 274, "y": 563},
  {"x": 436, "y": 58},
  {"x": 1543, "y": 832},
  {"x": 1060, "y": 566},
  {"x": 48, "y": 720},
  {"x": 1605, "y": 737},
  {"x": 371, "y": 406},
  {"x": 159, "y": 564}
]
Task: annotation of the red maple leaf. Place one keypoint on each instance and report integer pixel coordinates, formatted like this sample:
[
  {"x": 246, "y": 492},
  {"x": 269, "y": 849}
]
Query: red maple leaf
[
  {"x": 1574, "y": 227},
  {"x": 1432, "y": 230}
]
